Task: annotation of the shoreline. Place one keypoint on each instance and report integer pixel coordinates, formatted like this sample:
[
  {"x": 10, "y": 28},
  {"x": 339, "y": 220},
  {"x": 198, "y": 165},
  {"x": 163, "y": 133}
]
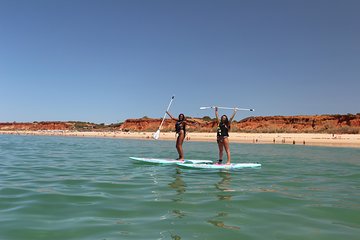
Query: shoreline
[{"x": 309, "y": 139}]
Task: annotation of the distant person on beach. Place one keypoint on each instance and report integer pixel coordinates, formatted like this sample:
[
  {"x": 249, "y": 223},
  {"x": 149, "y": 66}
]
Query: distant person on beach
[
  {"x": 180, "y": 128},
  {"x": 223, "y": 129}
]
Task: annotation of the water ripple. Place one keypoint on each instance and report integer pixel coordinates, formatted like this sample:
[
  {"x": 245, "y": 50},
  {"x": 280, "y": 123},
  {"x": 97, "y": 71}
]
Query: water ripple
[{"x": 83, "y": 188}]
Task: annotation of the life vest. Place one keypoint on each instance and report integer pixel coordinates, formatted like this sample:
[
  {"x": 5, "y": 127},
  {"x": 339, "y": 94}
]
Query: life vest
[{"x": 222, "y": 130}]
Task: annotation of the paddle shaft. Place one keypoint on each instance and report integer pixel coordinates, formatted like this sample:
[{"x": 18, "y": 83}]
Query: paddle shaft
[
  {"x": 230, "y": 108},
  {"x": 172, "y": 98}
]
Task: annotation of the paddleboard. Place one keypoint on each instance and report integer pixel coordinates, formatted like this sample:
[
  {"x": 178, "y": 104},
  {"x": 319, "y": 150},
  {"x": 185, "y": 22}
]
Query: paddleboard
[
  {"x": 169, "y": 161},
  {"x": 220, "y": 166}
]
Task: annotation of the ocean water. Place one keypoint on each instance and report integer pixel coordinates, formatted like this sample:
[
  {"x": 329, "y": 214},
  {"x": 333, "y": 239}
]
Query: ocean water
[{"x": 88, "y": 188}]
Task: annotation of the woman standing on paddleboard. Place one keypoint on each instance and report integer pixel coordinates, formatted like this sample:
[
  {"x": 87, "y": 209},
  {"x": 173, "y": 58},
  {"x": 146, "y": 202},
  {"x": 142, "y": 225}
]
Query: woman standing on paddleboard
[
  {"x": 180, "y": 128},
  {"x": 223, "y": 134}
]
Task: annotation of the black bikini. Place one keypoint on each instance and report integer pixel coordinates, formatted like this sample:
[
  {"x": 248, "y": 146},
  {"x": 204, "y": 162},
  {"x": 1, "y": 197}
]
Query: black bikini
[{"x": 179, "y": 126}]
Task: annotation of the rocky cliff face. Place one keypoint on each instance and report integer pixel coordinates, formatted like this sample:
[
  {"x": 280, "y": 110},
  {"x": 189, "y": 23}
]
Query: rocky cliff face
[
  {"x": 150, "y": 124},
  {"x": 36, "y": 126},
  {"x": 308, "y": 124},
  {"x": 292, "y": 124}
]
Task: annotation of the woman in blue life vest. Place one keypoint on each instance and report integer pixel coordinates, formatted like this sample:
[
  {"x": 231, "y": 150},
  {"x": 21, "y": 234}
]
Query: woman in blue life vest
[
  {"x": 180, "y": 128},
  {"x": 224, "y": 125}
]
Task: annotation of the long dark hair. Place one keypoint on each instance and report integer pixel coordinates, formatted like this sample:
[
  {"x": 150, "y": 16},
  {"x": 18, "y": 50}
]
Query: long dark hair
[
  {"x": 183, "y": 117},
  {"x": 226, "y": 122}
]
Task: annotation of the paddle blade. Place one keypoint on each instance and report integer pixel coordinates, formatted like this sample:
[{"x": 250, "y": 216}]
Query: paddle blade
[
  {"x": 156, "y": 135},
  {"x": 202, "y": 108}
]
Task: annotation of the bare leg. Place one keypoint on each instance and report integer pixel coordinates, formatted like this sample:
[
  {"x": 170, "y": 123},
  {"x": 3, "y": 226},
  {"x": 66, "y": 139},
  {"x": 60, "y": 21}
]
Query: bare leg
[
  {"x": 221, "y": 149},
  {"x": 179, "y": 142},
  {"x": 227, "y": 149}
]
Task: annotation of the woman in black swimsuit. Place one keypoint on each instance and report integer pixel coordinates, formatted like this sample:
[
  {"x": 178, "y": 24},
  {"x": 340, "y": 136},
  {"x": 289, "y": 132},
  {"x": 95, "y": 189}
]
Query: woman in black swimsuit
[
  {"x": 180, "y": 128},
  {"x": 223, "y": 135}
]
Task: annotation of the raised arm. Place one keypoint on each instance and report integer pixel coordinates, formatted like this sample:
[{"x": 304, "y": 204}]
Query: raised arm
[
  {"x": 232, "y": 117},
  {"x": 216, "y": 114},
  {"x": 193, "y": 122},
  {"x": 171, "y": 116}
]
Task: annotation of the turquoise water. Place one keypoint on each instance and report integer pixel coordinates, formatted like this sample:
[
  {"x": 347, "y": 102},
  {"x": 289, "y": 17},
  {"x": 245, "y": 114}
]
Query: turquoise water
[{"x": 87, "y": 188}]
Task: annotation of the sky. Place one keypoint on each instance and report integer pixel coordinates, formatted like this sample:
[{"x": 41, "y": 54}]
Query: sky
[{"x": 106, "y": 61}]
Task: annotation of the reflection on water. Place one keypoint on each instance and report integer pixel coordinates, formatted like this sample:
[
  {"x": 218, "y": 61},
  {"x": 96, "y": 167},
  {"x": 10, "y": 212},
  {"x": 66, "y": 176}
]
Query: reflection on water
[
  {"x": 224, "y": 186},
  {"x": 179, "y": 185},
  {"x": 178, "y": 213},
  {"x": 225, "y": 194},
  {"x": 221, "y": 224},
  {"x": 175, "y": 237}
]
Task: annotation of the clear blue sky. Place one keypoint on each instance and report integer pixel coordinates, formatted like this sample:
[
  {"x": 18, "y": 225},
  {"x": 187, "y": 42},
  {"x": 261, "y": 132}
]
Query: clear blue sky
[{"x": 106, "y": 61}]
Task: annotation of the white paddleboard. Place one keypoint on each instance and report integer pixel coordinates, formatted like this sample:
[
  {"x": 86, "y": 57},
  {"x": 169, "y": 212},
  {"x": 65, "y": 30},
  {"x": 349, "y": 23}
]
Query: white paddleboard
[
  {"x": 220, "y": 166},
  {"x": 169, "y": 161}
]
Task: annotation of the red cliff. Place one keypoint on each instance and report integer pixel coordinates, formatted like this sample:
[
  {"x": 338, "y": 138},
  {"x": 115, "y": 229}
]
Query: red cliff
[
  {"x": 291, "y": 124},
  {"x": 36, "y": 126},
  {"x": 302, "y": 124}
]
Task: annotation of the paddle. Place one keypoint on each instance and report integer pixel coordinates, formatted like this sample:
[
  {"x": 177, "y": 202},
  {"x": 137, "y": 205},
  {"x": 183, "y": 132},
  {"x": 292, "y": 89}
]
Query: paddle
[
  {"x": 156, "y": 135},
  {"x": 241, "y": 109}
]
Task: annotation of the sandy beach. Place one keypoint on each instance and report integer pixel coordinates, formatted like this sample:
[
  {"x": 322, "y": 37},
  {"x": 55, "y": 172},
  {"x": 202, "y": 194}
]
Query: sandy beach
[{"x": 335, "y": 140}]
